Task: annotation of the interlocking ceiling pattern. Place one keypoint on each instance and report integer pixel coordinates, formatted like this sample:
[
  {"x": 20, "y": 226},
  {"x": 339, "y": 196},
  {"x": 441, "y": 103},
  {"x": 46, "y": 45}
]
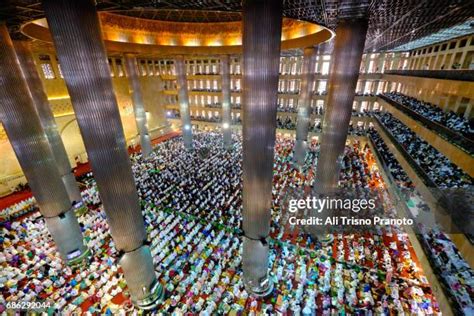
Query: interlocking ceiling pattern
[{"x": 392, "y": 22}]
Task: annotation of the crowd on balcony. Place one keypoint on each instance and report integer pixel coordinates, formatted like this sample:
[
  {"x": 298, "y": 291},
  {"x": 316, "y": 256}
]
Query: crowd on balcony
[
  {"x": 237, "y": 106},
  {"x": 216, "y": 105},
  {"x": 287, "y": 108},
  {"x": 450, "y": 119},
  {"x": 317, "y": 110},
  {"x": 454, "y": 272},
  {"x": 206, "y": 118},
  {"x": 205, "y": 89},
  {"x": 398, "y": 174},
  {"x": 289, "y": 91},
  {"x": 436, "y": 166},
  {"x": 365, "y": 94},
  {"x": 364, "y": 112},
  {"x": 286, "y": 122},
  {"x": 357, "y": 130}
]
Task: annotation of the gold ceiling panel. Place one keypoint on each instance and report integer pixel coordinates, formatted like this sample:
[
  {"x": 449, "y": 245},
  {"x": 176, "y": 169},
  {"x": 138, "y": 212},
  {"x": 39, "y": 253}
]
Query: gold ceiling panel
[{"x": 142, "y": 36}]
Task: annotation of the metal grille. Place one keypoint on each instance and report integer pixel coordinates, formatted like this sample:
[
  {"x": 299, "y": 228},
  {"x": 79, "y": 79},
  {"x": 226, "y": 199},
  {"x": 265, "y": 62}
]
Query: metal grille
[{"x": 392, "y": 22}]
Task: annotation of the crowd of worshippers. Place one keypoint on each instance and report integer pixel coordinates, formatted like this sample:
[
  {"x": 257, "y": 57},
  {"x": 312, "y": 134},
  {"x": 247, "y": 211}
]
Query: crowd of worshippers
[
  {"x": 319, "y": 110},
  {"x": 448, "y": 263},
  {"x": 357, "y": 130},
  {"x": 288, "y": 122},
  {"x": 287, "y": 108},
  {"x": 364, "y": 112},
  {"x": 296, "y": 91},
  {"x": 365, "y": 94},
  {"x": 356, "y": 178},
  {"x": 198, "y": 261},
  {"x": 450, "y": 119},
  {"x": 209, "y": 186},
  {"x": 185, "y": 181},
  {"x": 283, "y": 122},
  {"x": 437, "y": 167},
  {"x": 30, "y": 267},
  {"x": 317, "y": 92},
  {"x": 206, "y": 89},
  {"x": 237, "y": 106},
  {"x": 205, "y": 178},
  {"x": 316, "y": 110},
  {"x": 391, "y": 163},
  {"x": 216, "y": 105},
  {"x": 213, "y": 118},
  {"x": 354, "y": 171}
]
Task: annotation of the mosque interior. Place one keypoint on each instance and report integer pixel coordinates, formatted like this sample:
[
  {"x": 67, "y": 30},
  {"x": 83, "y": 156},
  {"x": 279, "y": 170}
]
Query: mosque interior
[{"x": 224, "y": 157}]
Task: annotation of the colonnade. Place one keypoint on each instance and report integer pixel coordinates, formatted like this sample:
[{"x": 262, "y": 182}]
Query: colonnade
[{"x": 76, "y": 33}]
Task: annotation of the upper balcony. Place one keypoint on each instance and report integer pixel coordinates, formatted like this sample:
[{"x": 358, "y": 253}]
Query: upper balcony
[
  {"x": 448, "y": 134},
  {"x": 457, "y": 75}
]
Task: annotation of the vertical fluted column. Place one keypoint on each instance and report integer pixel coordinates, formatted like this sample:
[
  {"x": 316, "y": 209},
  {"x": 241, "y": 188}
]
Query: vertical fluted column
[
  {"x": 345, "y": 63},
  {"x": 48, "y": 123},
  {"x": 261, "y": 55},
  {"x": 75, "y": 29},
  {"x": 138, "y": 106},
  {"x": 30, "y": 143},
  {"x": 183, "y": 100},
  {"x": 304, "y": 104},
  {"x": 226, "y": 107}
]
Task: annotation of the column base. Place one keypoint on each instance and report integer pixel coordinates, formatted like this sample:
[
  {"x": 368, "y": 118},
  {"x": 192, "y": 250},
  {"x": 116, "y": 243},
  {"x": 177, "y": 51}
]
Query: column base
[
  {"x": 325, "y": 239},
  {"x": 67, "y": 236},
  {"x": 155, "y": 298},
  {"x": 300, "y": 152},
  {"x": 255, "y": 267},
  {"x": 261, "y": 290},
  {"x": 188, "y": 147},
  {"x": 147, "y": 148},
  {"x": 83, "y": 259},
  {"x": 139, "y": 272}
]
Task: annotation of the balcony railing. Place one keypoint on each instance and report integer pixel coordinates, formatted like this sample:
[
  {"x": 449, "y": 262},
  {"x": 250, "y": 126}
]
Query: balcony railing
[
  {"x": 444, "y": 132},
  {"x": 416, "y": 167},
  {"x": 459, "y": 75}
]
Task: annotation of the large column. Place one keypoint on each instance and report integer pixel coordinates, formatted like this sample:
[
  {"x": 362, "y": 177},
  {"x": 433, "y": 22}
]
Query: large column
[
  {"x": 348, "y": 49},
  {"x": 262, "y": 21},
  {"x": 183, "y": 100},
  {"x": 304, "y": 104},
  {"x": 46, "y": 117},
  {"x": 226, "y": 107},
  {"x": 75, "y": 29},
  {"x": 28, "y": 139},
  {"x": 138, "y": 106}
]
